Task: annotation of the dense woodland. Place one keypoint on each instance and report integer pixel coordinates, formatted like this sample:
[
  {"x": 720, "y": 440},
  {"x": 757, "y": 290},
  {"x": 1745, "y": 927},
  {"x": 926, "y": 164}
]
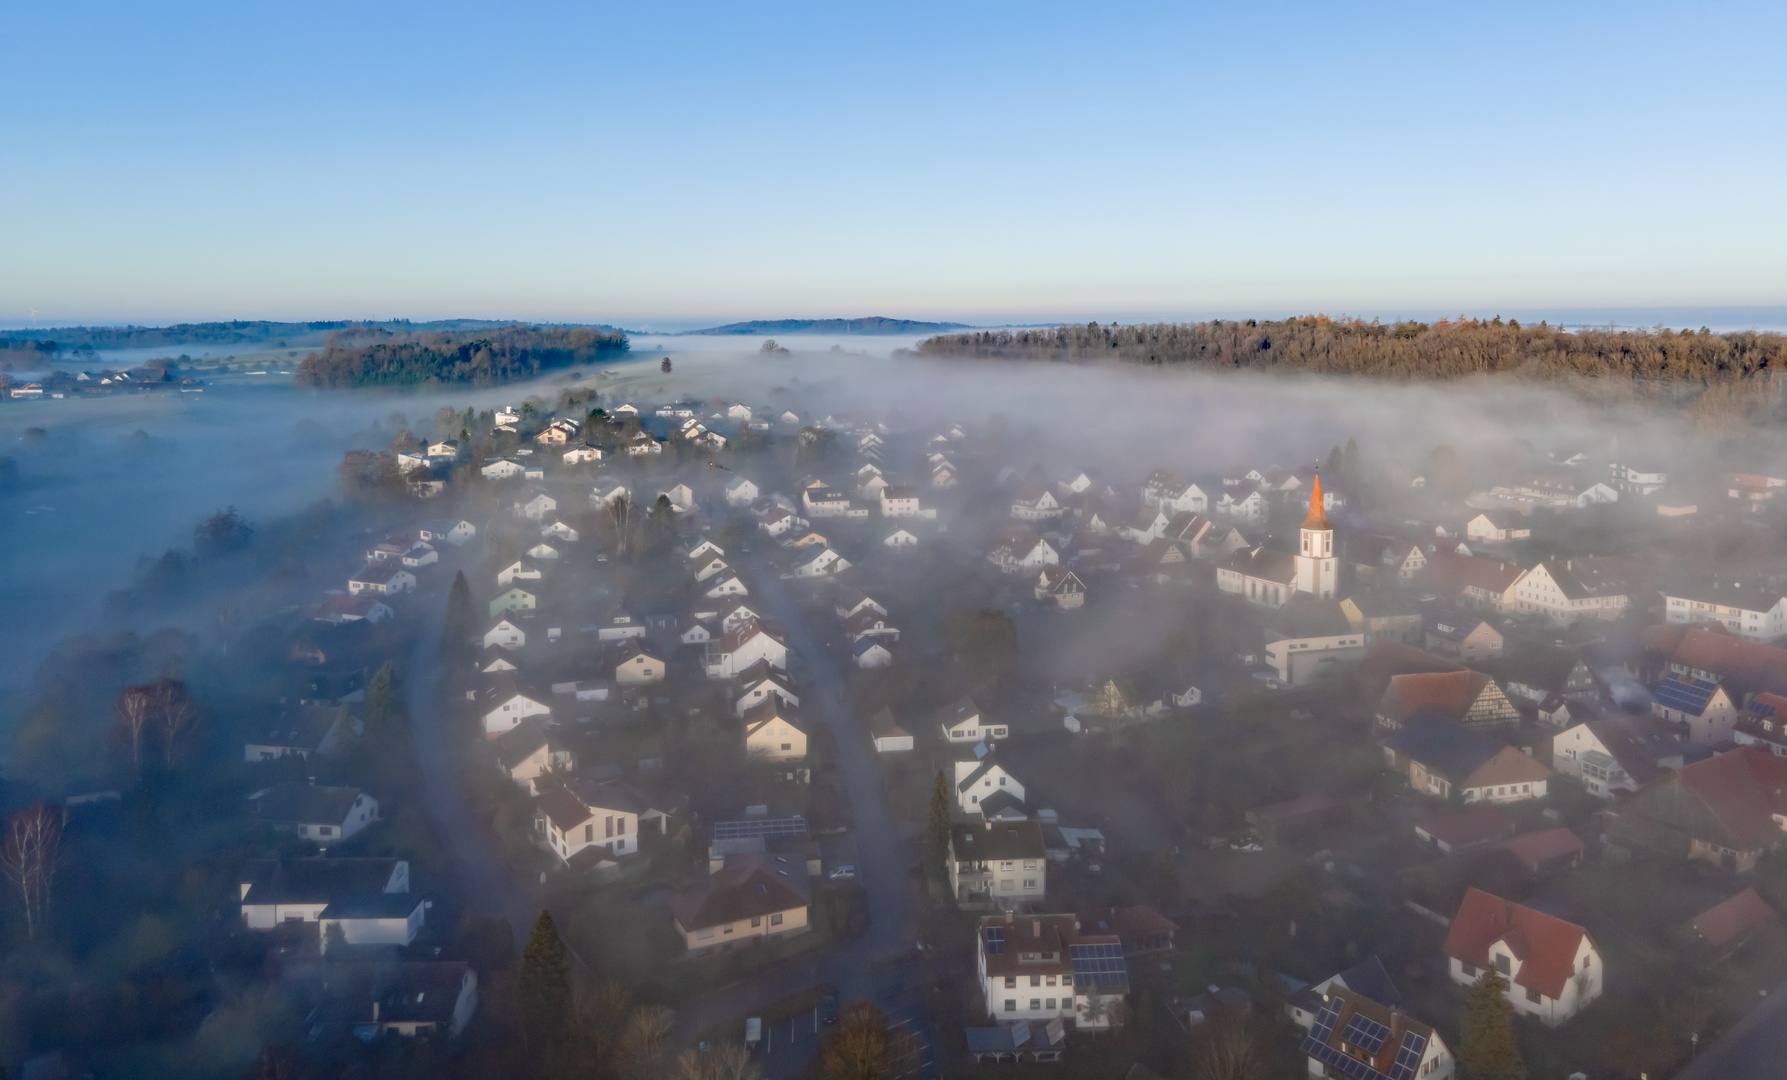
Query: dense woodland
[
  {"x": 1443, "y": 349},
  {"x": 235, "y": 332},
  {"x": 515, "y": 352}
]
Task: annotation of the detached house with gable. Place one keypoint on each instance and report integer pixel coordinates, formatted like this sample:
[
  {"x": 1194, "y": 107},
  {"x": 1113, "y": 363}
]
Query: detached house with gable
[
  {"x": 961, "y": 723},
  {"x": 1017, "y": 549},
  {"x": 1441, "y": 758},
  {"x": 1568, "y": 590},
  {"x": 743, "y": 646},
  {"x": 1465, "y": 697},
  {"x": 1552, "y": 967},
  {"x": 985, "y": 790},
  {"x": 1729, "y": 810},
  {"x": 749, "y": 898},
  {"x": 1353, "y": 1036},
  {"x": 587, "y": 821}
]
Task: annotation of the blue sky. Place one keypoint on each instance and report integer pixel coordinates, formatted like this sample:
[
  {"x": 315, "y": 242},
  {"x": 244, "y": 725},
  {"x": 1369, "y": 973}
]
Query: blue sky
[{"x": 656, "y": 163}]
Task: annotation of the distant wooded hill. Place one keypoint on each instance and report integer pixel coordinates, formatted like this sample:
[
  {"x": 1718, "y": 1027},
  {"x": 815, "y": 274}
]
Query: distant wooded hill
[
  {"x": 366, "y": 357},
  {"x": 239, "y": 332},
  {"x": 874, "y": 325},
  {"x": 1444, "y": 349}
]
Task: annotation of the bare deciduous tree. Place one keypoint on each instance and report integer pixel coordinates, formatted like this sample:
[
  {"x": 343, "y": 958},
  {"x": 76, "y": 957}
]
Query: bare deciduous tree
[
  {"x": 28, "y": 858},
  {"x": 1228, "y": 1049},
  {"x": 175, "y": 712},
  {"x": 620, "y": 514},
  {"x": 136, "y": 712}
]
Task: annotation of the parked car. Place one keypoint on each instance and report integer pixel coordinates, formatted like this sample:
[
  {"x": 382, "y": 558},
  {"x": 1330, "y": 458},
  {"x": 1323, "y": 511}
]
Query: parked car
[
  {"x": 844, "y": 873},
  {"x": 828, "y": 1009}
]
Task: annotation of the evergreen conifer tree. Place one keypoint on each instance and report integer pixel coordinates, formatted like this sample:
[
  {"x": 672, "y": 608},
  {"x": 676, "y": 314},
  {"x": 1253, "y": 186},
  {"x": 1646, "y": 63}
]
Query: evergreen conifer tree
[
  {"x": 543, "y": 987},
  {"x": 460, "y": 614},
  {"x": 937, "y": 829},
  {"x": 1486, "y": 1046}
]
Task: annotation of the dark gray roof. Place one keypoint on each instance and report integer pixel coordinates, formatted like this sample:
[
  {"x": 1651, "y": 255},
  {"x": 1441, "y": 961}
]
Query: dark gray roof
[
  {"x": 373, "y": 906},
  {"x": 300, "y": 727},
  {"x": 319, "y": 880},
  {"x": 1369, "y": 978},
  {"x": 305, "y": 804},
  {"x": 1010, "y": 840},
  {"x": 517, "y": 744},
  {"x": 1449, "y": 749}
]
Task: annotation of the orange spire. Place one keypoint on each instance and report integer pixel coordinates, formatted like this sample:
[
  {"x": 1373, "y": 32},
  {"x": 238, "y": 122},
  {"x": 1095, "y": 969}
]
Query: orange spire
[{"x": 1318, "y": 515}]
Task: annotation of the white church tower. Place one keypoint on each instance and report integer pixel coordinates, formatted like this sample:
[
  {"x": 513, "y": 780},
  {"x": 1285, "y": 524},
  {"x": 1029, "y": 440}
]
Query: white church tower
[{"x": 1318, "y": 572}]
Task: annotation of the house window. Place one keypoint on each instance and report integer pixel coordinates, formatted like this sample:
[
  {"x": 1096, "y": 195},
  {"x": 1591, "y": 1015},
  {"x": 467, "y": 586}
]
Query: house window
[
  {"x": 1035, "y": 1003},
  {"x": 1469, "y": 970},
  {"x": 1011, "y": 1004},
  {"x": 1502, "y": 963},
  {"x": 787, "y": 746},
  {"x": 1051, "y": 980},
  {"x": 1585, "y": 963},
  {"x": 1067, "y": 980},
  {"x": 589, "y": 833},
  {"x": 704, "y": 934},
  {"x": 756, "y": 920},
  {"x": 1050, "y": 1004},
  {"x": 1005, "y": 884},
  {"x": 1532, "y": 995},
  {"x": 1035, "y": 980},
  {"x": 325, "y": 830},
  {"x": 728, "y": 928},
  {"x": 1011, "y": 982},
  {"x": 1030, "y": 883},
  {"x": 776, "y": 919}
]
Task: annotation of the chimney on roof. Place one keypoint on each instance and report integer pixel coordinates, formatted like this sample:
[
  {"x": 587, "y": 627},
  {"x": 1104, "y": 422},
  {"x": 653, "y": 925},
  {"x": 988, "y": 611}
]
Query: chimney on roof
[
  {"x": 1008, "y": 917},
  {"x": 1035, "y": 927}
]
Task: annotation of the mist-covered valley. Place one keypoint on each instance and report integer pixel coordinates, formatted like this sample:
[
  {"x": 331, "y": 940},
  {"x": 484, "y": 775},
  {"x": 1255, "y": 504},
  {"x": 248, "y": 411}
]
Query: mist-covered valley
[{"x": 531, "y": 697}]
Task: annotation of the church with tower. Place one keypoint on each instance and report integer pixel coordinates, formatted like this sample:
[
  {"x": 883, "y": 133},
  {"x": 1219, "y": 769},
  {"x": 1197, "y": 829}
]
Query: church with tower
[{"x": 1270, "y": 578}]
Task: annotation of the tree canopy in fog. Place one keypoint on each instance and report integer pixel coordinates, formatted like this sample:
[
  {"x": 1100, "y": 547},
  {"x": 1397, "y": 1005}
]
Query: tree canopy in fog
[
  {"x": 377, "y": 358},
  {"x": 1443, "y": 349}
]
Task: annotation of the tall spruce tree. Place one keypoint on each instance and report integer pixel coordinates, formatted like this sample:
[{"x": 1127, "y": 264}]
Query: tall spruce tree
[
  {"x": 937, "y": 829},
  {"x": 460, "y": 616},
  {"x": 1486, "y": 1046},
  {"x": 543, "y": 987}
]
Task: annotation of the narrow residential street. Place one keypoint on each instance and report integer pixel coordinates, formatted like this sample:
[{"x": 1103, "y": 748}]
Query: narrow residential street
[
  {"x": 881, "y": 964},
  {"x": 488, "y": 885}
]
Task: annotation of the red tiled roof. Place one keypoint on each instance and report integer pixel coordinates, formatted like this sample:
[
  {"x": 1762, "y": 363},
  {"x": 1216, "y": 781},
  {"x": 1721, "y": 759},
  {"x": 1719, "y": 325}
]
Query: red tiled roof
[
  {"x": 1545, "y": 946},
  {"x": 1724, "y": 654},
  {"x": 1473, "y": 825},
  {"x": 1743, "y": 790},
  {"x": 1451, "y": 572},
  {"x": 1730, "y": 919},
  {"x": 1536, "y": 847},
  {"x": 1449, "y": 694}
]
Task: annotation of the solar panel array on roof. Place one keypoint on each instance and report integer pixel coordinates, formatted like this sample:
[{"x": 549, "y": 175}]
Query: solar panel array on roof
[
  {"x": 1339, "y": 1062},
  {"x": 1688, "y": 695},
  {"x": 1762, "y": 708},
  {"x": 1098, "y": 965},
  {"x": 765, "y": 827},
  {"x": 1408, "y": 1056},
  {"x": 1365, "y": 1033},
  {"x": 1324, "y": 1021},
  {"x": 995, "y": 940}
]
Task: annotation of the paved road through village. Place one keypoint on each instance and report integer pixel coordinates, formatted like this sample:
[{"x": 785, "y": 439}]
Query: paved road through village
[
  {"x": 867, "y": 967},
  {"x": 879, "y": 965}
]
